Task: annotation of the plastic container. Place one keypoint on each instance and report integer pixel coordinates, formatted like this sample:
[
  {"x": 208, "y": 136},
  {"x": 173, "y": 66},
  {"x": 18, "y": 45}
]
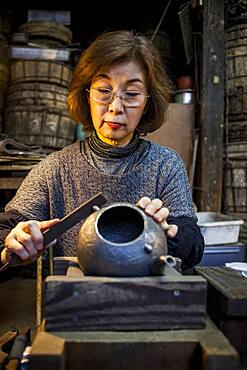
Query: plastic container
[{"x": 218, "y": 228}]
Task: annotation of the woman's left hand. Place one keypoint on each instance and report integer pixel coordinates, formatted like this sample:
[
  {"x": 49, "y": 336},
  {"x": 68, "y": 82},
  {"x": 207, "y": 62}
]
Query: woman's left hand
[{"x": 154, "y": 208}]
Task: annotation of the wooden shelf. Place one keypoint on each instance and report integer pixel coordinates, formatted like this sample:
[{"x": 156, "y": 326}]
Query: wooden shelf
[
  {"x": 11, "y": 176},
  {"x": 9, "y": 183}
]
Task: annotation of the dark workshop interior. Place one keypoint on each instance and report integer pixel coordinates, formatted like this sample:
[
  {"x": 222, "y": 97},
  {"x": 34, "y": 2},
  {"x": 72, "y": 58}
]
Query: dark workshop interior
[{"x": 188, "y": 320}]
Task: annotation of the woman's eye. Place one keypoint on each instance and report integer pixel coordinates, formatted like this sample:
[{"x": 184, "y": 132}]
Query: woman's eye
[
  {"x": 132, "y": 94},
  {"x": 104, "y": 91}
]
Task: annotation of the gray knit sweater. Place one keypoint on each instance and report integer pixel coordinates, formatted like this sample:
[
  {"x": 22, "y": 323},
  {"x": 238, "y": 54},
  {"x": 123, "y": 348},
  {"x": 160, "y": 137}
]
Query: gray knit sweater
[{"x": 69, "y": 177}]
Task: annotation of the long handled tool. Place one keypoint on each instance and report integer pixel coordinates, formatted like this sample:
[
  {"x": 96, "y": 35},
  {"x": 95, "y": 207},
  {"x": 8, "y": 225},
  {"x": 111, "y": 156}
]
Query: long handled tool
[{"x": 66, "y": 223}]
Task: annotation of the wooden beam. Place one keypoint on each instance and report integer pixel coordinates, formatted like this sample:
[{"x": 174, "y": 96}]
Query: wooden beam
[{"x": 212, "y": 106}]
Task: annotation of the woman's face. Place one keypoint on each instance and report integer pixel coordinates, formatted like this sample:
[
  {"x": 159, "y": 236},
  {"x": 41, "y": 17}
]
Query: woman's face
[{"x": 116, "y": 119}]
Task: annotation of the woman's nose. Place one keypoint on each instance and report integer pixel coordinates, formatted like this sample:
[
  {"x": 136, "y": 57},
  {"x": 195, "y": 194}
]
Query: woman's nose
[{"x": 116, "y": 105}]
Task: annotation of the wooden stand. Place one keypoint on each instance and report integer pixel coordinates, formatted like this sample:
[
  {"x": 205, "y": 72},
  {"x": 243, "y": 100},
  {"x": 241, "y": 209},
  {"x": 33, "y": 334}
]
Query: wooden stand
[
  {"x": 103, "y": 323},
  {"x": 205, "y": 349},
  {"x": 77, "y": 302}
]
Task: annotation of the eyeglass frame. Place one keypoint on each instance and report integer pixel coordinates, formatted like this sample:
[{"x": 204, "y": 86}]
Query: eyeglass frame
[{"x": 114, "y": 96}]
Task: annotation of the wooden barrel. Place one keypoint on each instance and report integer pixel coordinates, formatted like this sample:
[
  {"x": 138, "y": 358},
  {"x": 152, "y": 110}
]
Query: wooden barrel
[
  {"x": 4, "y": 80},
  {"x": 235, "y": 199},
  {"x": 47, "y": 30},
  {"x": 50, "y": 128},
  {"x": 4, "y": 71},
  {"x": 237, "y": 71},
  {"x": 41, "y": 71},
  {"x": 1, "y": 122},
  {"x": 36, "y": 94},
  {"x": 237, "y": 132}
]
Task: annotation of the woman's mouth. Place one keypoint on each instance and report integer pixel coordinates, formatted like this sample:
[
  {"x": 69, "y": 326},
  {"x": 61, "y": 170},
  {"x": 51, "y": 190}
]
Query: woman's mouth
[{"x": 113, "y": 125}]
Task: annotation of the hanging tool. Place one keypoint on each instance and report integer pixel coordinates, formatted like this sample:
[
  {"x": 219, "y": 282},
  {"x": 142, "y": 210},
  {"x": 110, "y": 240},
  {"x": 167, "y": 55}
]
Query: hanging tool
[
  {"x": 22, "y": 340},
  {"x": 66, "y": 223}
]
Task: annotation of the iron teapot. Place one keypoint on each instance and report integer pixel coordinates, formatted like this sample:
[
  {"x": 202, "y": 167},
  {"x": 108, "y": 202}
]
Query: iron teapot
[{"x": 120, "y": 239}]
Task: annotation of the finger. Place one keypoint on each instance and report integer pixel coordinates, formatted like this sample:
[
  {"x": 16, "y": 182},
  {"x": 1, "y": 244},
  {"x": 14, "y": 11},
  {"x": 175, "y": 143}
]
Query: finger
[
  {"x": 143, "y": 202},
  {"x": 20, "y": 240},
  {"x": 4, "y": 256},
  {"x": 161, "y": 215},
  {"x": 36, "y": 235},
  {"x": 13, "y": 246},
  {"x": 153, "y": 206},
  {"x": 165, "y": 226},
  {"x": 172, "y": 231},
  {"x": 36, "y": 229},
  {"x": 44, "y": 225},
  {"x": 20, "y": 226},
  {"x": 26, "y": 240}
]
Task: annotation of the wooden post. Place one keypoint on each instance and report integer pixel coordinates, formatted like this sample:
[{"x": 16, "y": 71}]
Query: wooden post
[{"x": 212, "y": 107}]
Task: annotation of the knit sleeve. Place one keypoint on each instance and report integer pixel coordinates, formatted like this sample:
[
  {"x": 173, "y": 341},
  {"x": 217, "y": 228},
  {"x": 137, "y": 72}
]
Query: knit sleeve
[
  {"x": 174, "y": 188},
  {"x": 188, "y": 244}
]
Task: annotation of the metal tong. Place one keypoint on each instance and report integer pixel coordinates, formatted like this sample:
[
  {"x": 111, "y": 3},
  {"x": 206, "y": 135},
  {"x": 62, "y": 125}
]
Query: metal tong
[{"x": 66, "y": 223}]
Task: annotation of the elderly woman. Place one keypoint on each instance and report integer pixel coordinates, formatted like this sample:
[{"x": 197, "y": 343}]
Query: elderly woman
[{"x": 119, "y": 92}]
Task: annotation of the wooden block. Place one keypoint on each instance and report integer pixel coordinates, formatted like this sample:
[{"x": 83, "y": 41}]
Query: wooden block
[
  {"x": 205, "y": 349},
  {"x": 227, "y": 304},
  {"x": 229, "y": 289},
  {"x": 61, "y": 264},
  {"x": 74, "y": 271},
  {"x": 78, "y": 302}
]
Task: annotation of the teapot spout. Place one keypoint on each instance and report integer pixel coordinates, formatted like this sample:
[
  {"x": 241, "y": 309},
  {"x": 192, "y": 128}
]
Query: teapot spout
[{"x": 158, "y": 264}]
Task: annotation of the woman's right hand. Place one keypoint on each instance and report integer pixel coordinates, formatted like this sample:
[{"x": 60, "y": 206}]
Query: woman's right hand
[{"x": 26, "y": 239}]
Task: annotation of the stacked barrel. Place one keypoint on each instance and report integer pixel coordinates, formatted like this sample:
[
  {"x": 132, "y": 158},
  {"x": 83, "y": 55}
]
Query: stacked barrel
[
  {"x": 235, "y": 197},
  {"x": 36, "y": 110},
  {"x": 4, "y": 76}
]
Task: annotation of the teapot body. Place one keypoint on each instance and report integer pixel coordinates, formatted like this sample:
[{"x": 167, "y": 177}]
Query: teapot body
[{"x": 120, "y": 240}]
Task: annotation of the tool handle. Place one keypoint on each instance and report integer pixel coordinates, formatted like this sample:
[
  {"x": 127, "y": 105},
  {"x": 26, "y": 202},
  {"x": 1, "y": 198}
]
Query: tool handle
[
  {"x": 16, "y": 352},
  {"x": 18, "y": 347},
  {"x": 15, "y": 260}
]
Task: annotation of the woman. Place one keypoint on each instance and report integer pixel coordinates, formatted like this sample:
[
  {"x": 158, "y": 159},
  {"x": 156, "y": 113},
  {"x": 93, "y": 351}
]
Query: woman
[{"x": 119, "y": 91}]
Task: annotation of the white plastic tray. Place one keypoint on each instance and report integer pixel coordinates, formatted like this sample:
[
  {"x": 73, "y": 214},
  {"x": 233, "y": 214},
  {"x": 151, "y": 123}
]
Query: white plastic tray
[{"x": 218, "y": 228}]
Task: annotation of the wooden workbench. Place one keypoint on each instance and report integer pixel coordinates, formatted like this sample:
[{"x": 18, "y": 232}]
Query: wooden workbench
[
  {"x": 205, "y": 349},
  {"x": 227, "y": 304}
]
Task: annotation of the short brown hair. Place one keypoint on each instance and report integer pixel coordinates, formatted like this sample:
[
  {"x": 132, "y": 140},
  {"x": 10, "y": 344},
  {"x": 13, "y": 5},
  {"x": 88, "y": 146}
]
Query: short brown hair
[{"x": 111, "y": 48}]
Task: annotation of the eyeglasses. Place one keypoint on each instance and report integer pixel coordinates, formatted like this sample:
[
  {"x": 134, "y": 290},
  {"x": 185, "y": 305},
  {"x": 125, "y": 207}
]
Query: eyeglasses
[{"x": 129, "y": 99}]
